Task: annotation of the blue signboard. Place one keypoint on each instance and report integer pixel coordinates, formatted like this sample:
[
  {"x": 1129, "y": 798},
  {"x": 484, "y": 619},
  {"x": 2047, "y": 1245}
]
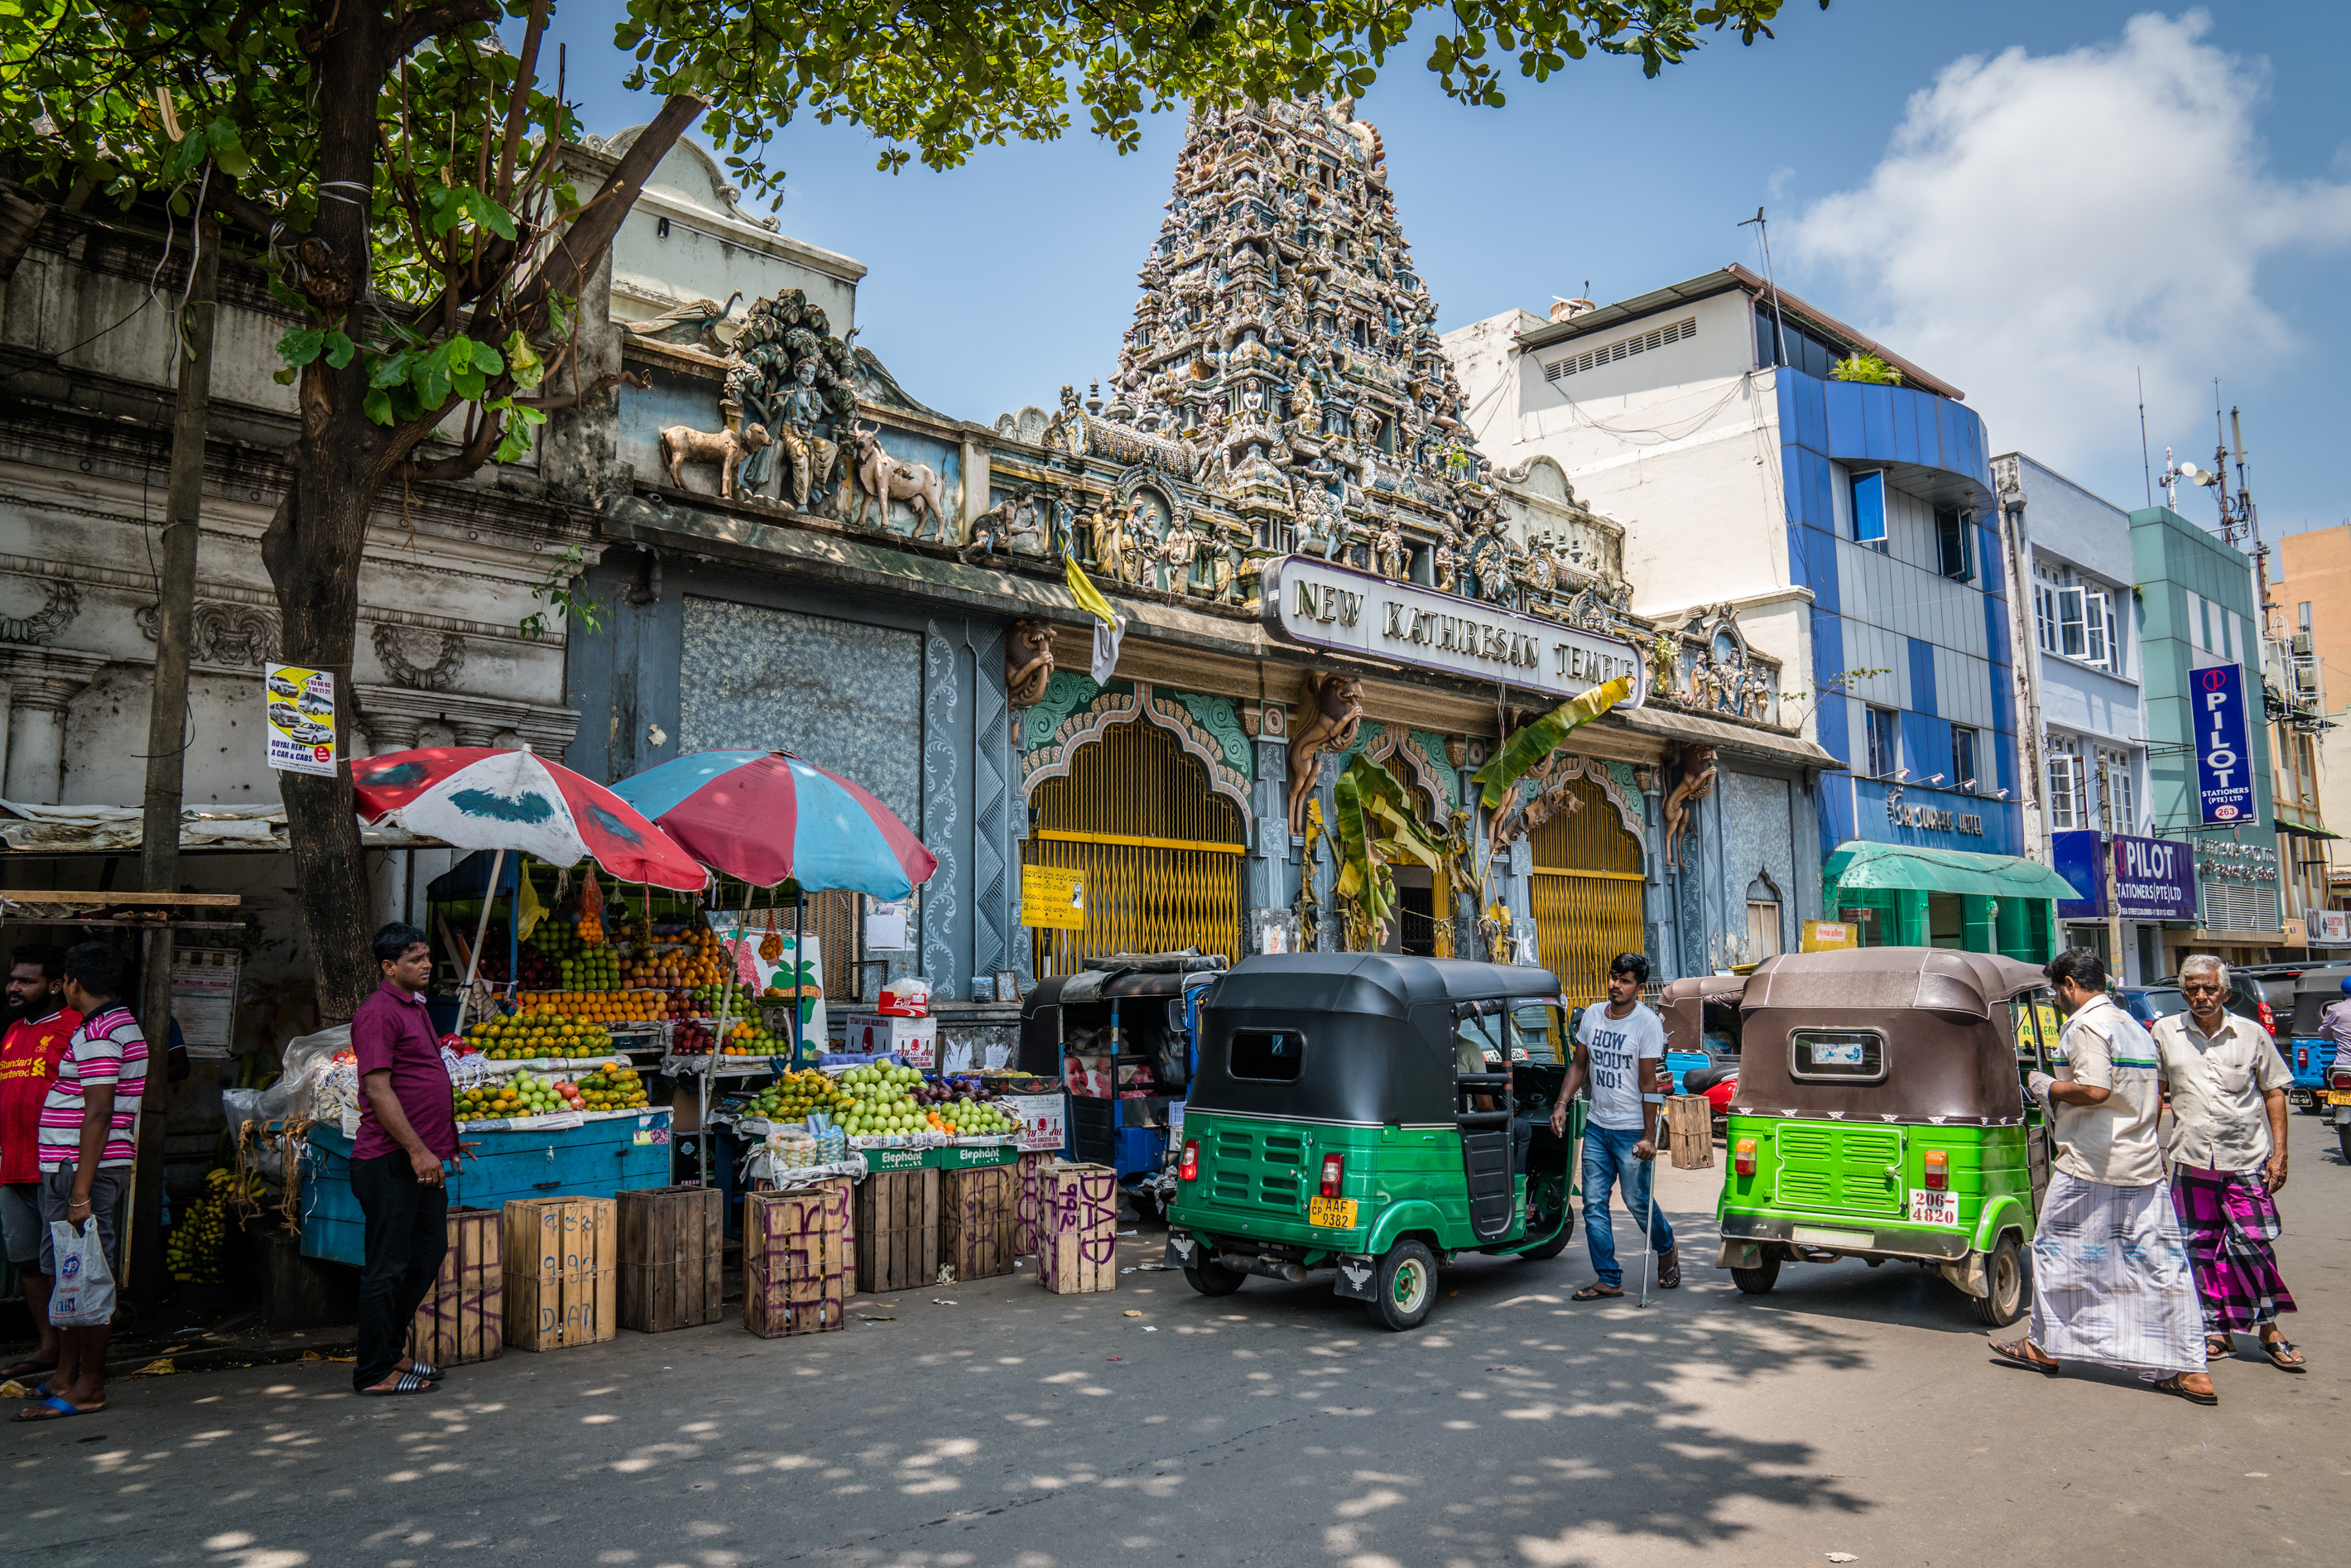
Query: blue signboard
[
  {"x": 2154, "y": 879},
  {"x": 2225, "y": 753}
]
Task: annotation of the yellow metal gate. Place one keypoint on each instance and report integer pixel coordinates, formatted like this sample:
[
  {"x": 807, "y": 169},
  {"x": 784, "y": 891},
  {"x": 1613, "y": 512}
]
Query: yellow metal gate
[
  {"x": 1161, "y": 851},
  {"x": 1587, "y": 891}
]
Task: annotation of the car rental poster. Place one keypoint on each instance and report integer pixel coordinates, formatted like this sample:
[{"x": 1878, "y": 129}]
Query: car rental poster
[
  {"x": 2224, "y": 764},
  {"x": 301, "y": 719}
]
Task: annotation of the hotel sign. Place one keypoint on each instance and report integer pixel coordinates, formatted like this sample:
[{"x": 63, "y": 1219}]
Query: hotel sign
[{"x": 1321, "y": 605}]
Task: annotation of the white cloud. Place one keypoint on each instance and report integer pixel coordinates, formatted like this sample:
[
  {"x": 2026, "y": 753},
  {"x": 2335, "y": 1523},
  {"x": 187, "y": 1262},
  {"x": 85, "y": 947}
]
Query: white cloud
[{"x": 2040, "y": 226}]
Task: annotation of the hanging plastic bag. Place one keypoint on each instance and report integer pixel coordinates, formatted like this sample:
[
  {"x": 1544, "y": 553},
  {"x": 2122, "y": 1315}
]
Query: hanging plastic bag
[
  {"x": 82, "y": 1296},
  {"x": 771, "y": 948},
  {"x": 592, "y": 908}
]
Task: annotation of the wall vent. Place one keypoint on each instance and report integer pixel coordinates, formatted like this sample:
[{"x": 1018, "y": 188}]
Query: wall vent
[{"x": 1622, "y": 349}]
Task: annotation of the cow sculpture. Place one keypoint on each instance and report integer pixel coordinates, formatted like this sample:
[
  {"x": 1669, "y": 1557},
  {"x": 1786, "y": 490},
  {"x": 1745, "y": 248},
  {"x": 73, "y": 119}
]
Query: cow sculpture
[
  {"x": 682, "y": 444},
  {"x": 884, "y": 478}
]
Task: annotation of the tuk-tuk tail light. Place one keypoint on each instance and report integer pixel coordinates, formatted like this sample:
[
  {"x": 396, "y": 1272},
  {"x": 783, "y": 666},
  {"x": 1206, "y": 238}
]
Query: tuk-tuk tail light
[
  {"x": 1189, "y": 1169},
  {"x": 1743, "y": 1157},
  {"x": 1938, "y": 1170},
  {"x": 1334, "y": 1174}
]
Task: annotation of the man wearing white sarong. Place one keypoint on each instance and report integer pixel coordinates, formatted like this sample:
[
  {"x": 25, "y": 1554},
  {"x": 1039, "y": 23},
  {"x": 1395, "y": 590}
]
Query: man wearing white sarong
[{"x": 2111, "y": 1280}]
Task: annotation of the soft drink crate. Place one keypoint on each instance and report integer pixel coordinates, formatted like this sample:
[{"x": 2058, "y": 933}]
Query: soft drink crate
[
  {"x": 796, "y": 1260},
  {"x": 1079, "y": 1252},
  {"x": 463, "y": 1320},
  {"x": 897, "y": 1228},
  {"x": 560, "y": 1277},
  {"x": 977, "y": 1209},
  {"x": 672, "y": 1247}
]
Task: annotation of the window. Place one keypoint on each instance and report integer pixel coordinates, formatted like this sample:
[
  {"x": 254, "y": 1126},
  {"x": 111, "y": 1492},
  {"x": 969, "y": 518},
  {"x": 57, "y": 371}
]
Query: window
[
  {"x": 1838, "y": 1055},
  {"x": 1869, "y": 508},
  {"x": 1538, "y": 1038},
  {"x": 2096, "y": 641},
  {"x": 1763, "y": 920},
  {"x": 1884, "y": 750},
  {"x": 1954, "y": 545},
  {"x": 1963, "y": 757},
  {"x": 1268, "y": 1055},
  {"x": 2118, "y": 807},
  {"x": 2045, "y": 584},
  {"x": 2067, "y": 811}
]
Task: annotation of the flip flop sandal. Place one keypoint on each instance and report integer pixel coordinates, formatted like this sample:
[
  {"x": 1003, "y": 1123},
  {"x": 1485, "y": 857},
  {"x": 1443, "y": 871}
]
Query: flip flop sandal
[
  {"x": 2218, "y": 1349},
  {"x": 59, "y": 1409},
  {"x": 1669, "y": 1271},
  {"x": 1595, "y": 1293},
  {"x": 2172, "y": 1384},
  {"x": 409, "y": 1383},
  {"x": 2012, "y": 1352},
  {"x": 2273, "y": 1349},
  {"x": 426, "y": 1369}
]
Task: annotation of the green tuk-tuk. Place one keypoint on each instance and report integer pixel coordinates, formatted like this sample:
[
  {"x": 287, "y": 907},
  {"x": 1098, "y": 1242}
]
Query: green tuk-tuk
[
  {"x": 1373, "y": 1114},
  {"x": 1881, "y": 1115}
]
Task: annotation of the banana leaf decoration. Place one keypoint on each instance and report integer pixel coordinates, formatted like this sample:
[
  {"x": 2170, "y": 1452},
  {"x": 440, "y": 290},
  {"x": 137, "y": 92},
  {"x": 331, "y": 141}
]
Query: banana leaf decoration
[
  {"x": 1376, "y": 826},
  {"x": 1538, "y": 741}
]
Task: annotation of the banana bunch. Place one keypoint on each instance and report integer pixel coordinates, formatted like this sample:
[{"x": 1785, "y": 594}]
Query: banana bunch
[{"x": 193, "y": 1251}]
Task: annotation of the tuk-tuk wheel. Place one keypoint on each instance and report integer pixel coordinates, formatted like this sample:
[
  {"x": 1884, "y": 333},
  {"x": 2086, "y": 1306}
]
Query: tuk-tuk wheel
[
  {"x": 1406, "y": 1285},
  {"x": 1213, "y": 1279},
  {"x": 1759, "y": 1281},
  {"x": 2005, "y": 1271}
]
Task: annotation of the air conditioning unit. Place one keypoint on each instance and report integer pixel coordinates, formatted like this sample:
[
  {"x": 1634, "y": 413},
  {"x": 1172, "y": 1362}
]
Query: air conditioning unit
[{"x": 2302, "y": 644}]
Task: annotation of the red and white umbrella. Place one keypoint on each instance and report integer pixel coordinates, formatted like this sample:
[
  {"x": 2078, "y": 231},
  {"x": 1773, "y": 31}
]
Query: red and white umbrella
[{"x": 478, "y": 797}]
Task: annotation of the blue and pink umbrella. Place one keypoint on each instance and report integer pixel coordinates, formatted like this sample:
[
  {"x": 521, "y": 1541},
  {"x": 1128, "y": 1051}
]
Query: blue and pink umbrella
[{"x": 767, "y": 817}]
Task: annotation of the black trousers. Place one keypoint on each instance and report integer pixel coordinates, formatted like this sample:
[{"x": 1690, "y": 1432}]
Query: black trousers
[{"x": 407, "y": 1235}]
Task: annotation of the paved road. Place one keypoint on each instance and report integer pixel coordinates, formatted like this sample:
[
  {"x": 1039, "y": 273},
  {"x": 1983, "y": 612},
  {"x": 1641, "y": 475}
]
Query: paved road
[{"x": 1854, "y": 1411}]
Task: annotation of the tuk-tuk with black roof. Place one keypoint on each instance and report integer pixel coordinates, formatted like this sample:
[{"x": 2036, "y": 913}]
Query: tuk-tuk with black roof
[{"x": 1375, "y": 1115}]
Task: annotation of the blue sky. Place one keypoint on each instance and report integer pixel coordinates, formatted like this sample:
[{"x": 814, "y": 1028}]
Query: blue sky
[{"x": 2038, "y": 202}]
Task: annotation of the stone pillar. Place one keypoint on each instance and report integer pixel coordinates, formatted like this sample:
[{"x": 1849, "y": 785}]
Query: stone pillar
[
  {"x": 44, "y": 685},
  {"x": 1272, "y": 880},
  {"x": 390, "y": 732},
  {"x": 976, "y": 480},
  {"x": 474, "y": 732}
]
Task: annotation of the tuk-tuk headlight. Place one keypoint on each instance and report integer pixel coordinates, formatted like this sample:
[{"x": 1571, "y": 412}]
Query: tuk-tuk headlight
[
  {"x": 1190, "y": 1169},
  {"x": 1938, "y": 1170},
  {"x": 1334, "y": 1173},
  {"x": 1743, "y": 1157}
]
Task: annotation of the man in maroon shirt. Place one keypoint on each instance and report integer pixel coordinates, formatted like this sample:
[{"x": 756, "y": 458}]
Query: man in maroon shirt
[{"x": 406, "y": 1133}]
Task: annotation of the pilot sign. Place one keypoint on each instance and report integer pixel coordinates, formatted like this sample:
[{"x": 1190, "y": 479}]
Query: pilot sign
[{"x": 2224, "y": 764}]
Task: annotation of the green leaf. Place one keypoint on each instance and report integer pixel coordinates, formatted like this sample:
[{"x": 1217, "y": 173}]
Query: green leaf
[
  {"x": 339, "y": 350},
  {"x": 1533, "y": 742},
  {"x": 523, "y": 364},
  {"x": 300, "y": 345}
]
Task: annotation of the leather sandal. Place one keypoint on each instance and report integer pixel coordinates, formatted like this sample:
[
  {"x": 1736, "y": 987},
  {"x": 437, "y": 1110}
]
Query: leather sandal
[
  {"x": 2172, "y": 1384},
  {"x": 2278, "y": 1349},
  {"x": 2022, "y": 1353},
  {"x": 1596, "y": 1291}
]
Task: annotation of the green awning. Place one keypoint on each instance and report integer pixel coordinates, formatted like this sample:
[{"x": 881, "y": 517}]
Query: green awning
[
  {"x": 1863, "y": 865},
  {"x": 2297, "y": 829}
]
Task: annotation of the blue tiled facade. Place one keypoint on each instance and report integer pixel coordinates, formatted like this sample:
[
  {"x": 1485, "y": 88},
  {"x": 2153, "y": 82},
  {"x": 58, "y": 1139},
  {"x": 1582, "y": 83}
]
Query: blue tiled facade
[{"x": 1937, "y": 645}]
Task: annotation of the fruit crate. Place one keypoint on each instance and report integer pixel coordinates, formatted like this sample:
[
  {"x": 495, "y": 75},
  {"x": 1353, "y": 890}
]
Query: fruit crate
[
  {"x": 672, "y": 1245},
  {"x": 463, "y": 1320},
  {"x": 1079, "y": 1250},
  {"x": 897, "y": 1224},
  {"x": 797, "y": 1253},
  {"x": 977, "y": 1209},
  {"x": 1028, "y": 1205},
  {"x": 560, "y": 1275}
]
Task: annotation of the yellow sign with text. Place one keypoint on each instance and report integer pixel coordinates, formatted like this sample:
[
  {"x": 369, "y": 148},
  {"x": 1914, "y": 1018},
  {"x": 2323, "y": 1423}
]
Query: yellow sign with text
[
  {"x": 1053, "y": 897},
  {"x": 1829, "y": 935}
]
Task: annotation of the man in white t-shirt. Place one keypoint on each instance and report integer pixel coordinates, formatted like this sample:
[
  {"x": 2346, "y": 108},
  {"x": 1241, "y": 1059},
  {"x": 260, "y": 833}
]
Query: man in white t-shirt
[{"x": 1621, "y": 1050}]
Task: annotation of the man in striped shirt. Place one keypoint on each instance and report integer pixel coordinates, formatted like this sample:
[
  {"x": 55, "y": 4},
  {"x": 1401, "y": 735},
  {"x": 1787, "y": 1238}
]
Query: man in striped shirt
[{"x": 89, "y": 1143}]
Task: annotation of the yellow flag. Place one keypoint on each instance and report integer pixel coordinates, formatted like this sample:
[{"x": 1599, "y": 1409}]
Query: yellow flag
[{"x": 1089, "y": 597}]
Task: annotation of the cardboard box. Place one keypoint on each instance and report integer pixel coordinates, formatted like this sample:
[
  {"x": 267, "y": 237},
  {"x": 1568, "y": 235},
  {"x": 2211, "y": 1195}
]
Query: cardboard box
[
  {"x": 796, "y": 1252},
  {"x": 1042, "y": 1121},
  {"x": 558, "y": 1271},
  {"x": 876, "y": 1034},
  {"x": 672, "y": 1248},
  {"x": 897, "y": 1230},
  {"x": 1079, "y": 1250},
  {"x": 977, "y": 1208},
  {"x": 462, "y": 1320}
]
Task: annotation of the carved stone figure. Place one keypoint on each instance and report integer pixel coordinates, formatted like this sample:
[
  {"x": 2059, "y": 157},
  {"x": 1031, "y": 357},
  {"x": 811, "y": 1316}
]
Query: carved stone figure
[
  {"x": 1445, "y": 564},
  {"x": 438, "y": 676},
  {"x": 802, "y": 410},
  {"x": 1388, "y": 550},
  {"x": 1015, "y": 525},
  {"x": 1329, "y": 713},
  {"x": 682, "y": 444},
  {"x": 881, "y": 479},
  {"x": 1681, "y": 806},
  {"x": 1028, "y": 662}
]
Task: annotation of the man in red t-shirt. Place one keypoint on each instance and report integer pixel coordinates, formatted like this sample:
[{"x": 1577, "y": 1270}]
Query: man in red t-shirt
[{"x": 39, "y": 1026}]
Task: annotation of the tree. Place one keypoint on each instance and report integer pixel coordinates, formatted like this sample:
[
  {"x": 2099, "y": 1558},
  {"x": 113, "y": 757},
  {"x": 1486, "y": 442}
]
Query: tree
[{"x": 400, "y": 171}]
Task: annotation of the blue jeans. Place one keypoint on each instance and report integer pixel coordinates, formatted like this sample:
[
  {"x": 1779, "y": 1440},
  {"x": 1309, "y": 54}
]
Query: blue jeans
[{"x": 1608, "y": 1161}]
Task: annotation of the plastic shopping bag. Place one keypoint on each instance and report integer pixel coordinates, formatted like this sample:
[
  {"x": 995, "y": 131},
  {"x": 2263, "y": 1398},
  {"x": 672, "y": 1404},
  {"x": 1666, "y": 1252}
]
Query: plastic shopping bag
[{"x": 83, "y": 1294}]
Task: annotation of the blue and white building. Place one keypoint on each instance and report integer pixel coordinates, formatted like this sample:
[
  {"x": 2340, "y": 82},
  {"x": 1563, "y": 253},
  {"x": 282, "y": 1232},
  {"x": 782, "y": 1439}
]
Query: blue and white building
[{"x": 1853, "y": 528}]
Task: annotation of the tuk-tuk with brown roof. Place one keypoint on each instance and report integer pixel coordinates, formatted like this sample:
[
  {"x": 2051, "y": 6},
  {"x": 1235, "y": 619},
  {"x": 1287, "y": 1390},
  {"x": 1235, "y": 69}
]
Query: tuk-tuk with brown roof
[{"x": 1881, "y": 1115}]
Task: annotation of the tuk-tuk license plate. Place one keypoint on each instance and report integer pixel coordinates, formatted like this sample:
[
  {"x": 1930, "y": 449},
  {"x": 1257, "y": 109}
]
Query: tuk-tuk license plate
[
  {"x": 1335, "y": 1213},
  {"x": 1934, "y": 1208},
  {"x": 2338, "y": 1096}
]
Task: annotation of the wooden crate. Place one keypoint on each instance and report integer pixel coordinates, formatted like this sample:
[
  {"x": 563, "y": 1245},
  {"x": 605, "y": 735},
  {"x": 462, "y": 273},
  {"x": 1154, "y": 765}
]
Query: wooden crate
[
  {"x": 795, "y": 1259},
  {"x": 976, "y": 1209},
  {"x": 1079, "y": 1251},
  {"x": 897, "y": 1229},
  {"x": 673, "y": 1249},
  {"x": 560, "y": 1284},
  {"x": 1689, "y": 1122},
  {"x": 1028, "y": 1207},
  {"x": 462, "y": 1319}
]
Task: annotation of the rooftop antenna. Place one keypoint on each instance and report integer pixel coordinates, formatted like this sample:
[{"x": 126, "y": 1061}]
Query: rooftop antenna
[
  {"x": 2147, "y": 465},
  {"x": 1779, "y": 318}
]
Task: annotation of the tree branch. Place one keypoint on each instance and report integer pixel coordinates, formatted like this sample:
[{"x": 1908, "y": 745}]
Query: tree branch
[
  {"x": 432, "y": 22},
  {"x": 518, "y": 102},
  {"x": 618, "y": 378}
]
